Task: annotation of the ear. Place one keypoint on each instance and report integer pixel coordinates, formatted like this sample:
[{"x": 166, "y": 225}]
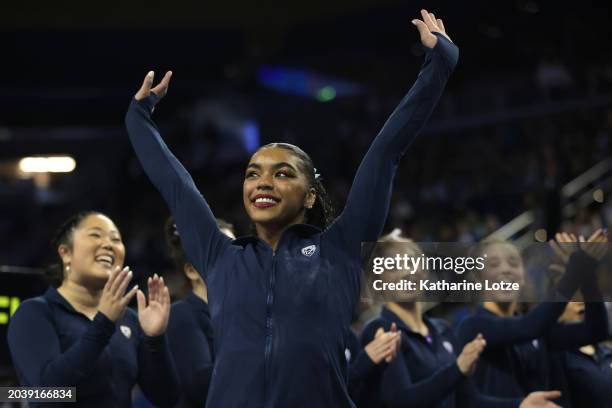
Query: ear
[
  {"x": 65, "y": 253},
  {"x": 191, "y": 272},
  {"x": 310, "y": 199}
]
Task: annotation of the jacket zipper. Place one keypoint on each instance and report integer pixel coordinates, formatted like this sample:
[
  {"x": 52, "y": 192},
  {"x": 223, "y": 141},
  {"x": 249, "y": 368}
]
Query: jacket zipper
[{"x": 269, "y": 323}]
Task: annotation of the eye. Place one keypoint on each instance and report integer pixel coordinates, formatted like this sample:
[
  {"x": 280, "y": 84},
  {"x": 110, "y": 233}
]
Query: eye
[
  {"x": 284, "y": 173},
  {"x": 95, "y": 234},
  {"x": 116, "y": 240},
  {"x": 250, "y": 174}
]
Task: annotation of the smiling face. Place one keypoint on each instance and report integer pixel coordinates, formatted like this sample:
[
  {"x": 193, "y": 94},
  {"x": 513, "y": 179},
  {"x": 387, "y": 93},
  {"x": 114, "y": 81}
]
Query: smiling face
[
  {"x": 503, "y": 263},
  {"x": 95, "y": 248},
  {"x": 276, "y": 191}
]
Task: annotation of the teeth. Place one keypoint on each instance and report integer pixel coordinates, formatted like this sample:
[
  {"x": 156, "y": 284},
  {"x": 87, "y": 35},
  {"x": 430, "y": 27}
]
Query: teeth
[
  {"x": 265, "y": 200},
  {"x": 105, "y": 258}
]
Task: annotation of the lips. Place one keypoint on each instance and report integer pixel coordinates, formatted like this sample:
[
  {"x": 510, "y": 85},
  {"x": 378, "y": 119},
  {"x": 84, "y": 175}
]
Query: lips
[
  {"x": 106, "y": 260},
  {"x": 264, "y": 201}
]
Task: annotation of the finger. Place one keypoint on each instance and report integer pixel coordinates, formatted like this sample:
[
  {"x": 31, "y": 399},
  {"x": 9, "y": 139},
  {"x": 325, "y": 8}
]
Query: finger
[
  {"x": 111, "y": 278},
  {"x": 141, "y": 300},
  {"x": 550, "y": 394},
  {"x": 124, "y": 283},
  {"x": 433, "y": 20},
  {"x": 393, "y": 328},
  {"x": 427, "y": 19},
  {"x": 379, "y": 332},
  {"x": 166, "y": 298},
  {"x": 150, "y": 289},
  {"x": 118, "y": 281},
  {"x": 154, "y": 297},
  {"x": 441, "y": 25},
  {"x": 422, "y": 27},
  {"x": 162, "y": 88},
  {"x": 144, "y": 90},
  {"x": 128, "y": 296}
]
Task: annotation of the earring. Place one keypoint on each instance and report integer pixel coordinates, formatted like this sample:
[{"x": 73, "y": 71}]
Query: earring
[{"x": 68, "y": 268}]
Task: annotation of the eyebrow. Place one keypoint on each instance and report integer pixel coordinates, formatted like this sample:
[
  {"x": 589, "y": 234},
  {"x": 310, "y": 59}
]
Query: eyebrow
[
  {"x": 275, "y": 166},
  {"x": 101, "y": 230}
]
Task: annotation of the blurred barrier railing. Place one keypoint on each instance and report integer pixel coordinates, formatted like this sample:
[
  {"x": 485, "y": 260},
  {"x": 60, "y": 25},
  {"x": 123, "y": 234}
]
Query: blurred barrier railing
[{"x": 590, "y": 186}]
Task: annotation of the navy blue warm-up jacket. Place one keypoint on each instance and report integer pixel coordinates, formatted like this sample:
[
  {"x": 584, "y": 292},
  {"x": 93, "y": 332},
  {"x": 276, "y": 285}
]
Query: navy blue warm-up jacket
[{"x": 281, "y": 318}]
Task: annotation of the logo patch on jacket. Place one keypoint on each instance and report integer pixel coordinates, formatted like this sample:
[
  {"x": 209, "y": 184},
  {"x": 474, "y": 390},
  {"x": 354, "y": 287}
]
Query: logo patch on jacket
[
  {"x": 309, "y": 250},
  {"x": 127, "y": 332},
  {"x": 448, "y": 346}
]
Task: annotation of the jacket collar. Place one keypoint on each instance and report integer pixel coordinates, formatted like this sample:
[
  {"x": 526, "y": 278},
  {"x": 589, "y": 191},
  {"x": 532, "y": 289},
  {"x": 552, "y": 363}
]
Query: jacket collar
[
  {"x": 303, "y": 230},
  {"x": 393, "y": 318},
  {"x": 53, "y": 296}
]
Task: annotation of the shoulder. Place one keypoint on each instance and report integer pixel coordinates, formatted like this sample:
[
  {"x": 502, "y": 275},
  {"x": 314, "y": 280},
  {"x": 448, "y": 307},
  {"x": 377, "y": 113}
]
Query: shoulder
[
  {"x": 30, "y": 315},
  {"x": 38, "y": 306},
  {"x": 181, "y": 314}
]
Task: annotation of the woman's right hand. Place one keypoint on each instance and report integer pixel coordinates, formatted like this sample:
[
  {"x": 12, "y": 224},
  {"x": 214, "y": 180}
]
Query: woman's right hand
[
  {"x": 160, "y": 90},
  {"x": 541, "y": 399},
  {"x": 385, "y": 345},
  {"x": 469, "y": 356},
  {"x": 114, "y": 300}
]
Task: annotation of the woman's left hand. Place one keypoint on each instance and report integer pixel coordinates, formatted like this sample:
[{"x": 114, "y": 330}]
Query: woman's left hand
[
  {"x": 429, "y": 25},
  {"x": 153, "y": 317}
]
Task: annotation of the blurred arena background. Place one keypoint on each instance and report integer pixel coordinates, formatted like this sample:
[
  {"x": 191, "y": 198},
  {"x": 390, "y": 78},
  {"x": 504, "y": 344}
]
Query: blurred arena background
[{"x": 519, "y": 144}]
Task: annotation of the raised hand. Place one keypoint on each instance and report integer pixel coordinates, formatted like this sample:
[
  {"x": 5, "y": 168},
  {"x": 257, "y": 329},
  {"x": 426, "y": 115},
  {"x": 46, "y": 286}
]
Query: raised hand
[
  {"x": 114, "y": 300},
  {"x": 160, "y": 90},
  {"x": 541, "y": 399},
  {"x": 565, "y": 244},
  {"x": 470, "y": 354},
  {"x": 427, "y": 26},
  {"x": 384, "y": 346},
  {"x": 153, "y": 317}
]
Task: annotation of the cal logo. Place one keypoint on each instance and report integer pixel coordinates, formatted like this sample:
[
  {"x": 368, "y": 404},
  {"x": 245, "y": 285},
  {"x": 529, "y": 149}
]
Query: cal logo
[
  {"x": 127, "y": 332},
  {"x": 309, "y": 250},
  {"x": 448, "y": 346}
]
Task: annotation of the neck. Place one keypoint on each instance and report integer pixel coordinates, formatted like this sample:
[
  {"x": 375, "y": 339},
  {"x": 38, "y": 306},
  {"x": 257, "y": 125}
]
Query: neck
[
  {"x": 199, "y": 289},
  {"x": 83, "y": 299},
  {"x": 410, "y": 313},
  {"x": 504, "y": 309},
  {"x": 271, "y": 234}
]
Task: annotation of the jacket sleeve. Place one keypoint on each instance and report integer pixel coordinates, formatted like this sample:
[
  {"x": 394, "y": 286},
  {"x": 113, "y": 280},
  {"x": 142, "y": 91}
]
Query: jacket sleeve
[
  {"x": 35, "y": 348},
  {"x": 192, "y": 356},
  {"x": 538, "y": 321},
  {"x": 201, "y": 238},
  {"x": 365, "y": 213},
  {"x": 156, "y": 372}
]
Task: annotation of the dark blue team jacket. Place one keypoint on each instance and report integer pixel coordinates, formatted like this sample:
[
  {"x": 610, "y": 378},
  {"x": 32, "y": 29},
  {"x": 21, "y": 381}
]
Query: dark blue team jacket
[
  {"x": 589, "y": 378},
  {"x": 53, "y": 345},
  {"x": 425, "y": 372},
  {"x": 190, "y": 337},
  {"x": 281, "y": 319},
  {"x": 516, "y": 360}
]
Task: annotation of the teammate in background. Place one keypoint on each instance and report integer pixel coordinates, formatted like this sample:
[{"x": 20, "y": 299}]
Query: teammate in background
[
  {"x": 584, "y": 372},
  {"x": 428, "y": 372},
  {"x": 281, "y": 302},
  {"x": 83, "y": 335},
  {"x": 190, "y": 332},
  {"x": 516, "y": 361}
]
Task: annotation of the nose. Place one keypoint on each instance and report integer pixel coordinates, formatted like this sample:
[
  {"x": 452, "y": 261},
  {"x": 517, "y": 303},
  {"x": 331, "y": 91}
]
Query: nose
[
  {"x": 264, "y": 183},
  {"x": 106, "y": 243}
]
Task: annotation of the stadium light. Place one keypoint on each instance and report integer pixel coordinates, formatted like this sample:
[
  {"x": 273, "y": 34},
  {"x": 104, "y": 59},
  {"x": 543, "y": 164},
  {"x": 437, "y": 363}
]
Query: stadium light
[{"x": 54, "y": 164}]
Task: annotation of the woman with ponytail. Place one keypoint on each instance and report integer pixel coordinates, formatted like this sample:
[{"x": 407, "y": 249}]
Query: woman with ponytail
[
  {"x": 82, "y": 334},
  {"x": 281, "y": 301}
]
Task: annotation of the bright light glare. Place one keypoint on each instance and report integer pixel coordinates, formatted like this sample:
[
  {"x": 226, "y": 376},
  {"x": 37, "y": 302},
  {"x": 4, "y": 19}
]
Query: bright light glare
[{"x": 57, "y": 164}]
